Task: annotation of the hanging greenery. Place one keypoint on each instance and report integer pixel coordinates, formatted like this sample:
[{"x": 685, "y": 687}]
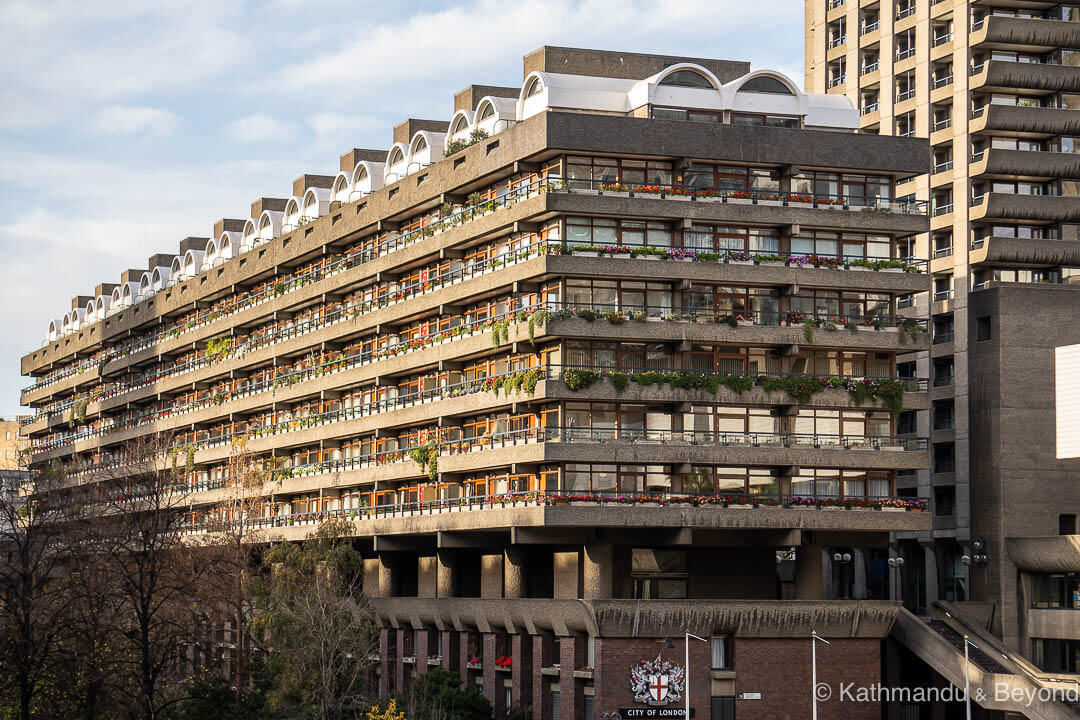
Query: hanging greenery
[{"x": 427, "y": 457}]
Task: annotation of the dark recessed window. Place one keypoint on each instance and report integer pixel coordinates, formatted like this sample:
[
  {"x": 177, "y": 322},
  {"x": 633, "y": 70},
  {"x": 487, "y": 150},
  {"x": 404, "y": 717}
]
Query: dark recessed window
[
  {"x": 766, "y": 84},
  {"x": 1066, "y": 524},
  {"x": 687, "y": 78},
  {"x": 982, "y": 329}
]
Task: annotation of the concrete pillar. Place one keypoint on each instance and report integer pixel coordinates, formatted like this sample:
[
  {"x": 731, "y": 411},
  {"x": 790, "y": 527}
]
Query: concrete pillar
[
  {"x": 858, "y": 567},
  {"x": 446, "y": 574},
  {"x": 930, "y": 563},
  {"x": 426, "y": 576},
  {"x": 521, "y": 672},
  {"x": 514, "y": 577},
  {"x": 566, "y": 576},
  {"x": 386, "y": 576},
  {"x": 809, "y": 573},
  {"x": 491, "y": 576},
  {"x": 450, "y": 653},
  {"x": 399, "y": 667},
  {"x": 571, "y": 657},
  {"x": 596, "y": 571},
  {"x": 422, "y": 644},
  {"x": 490, "y": 691},
  {"x": 463, "y": 656},
  {"x": 387, "y": 655},
  {"x": 371, "y": 578},
  {"x": 542, "y": 646}
]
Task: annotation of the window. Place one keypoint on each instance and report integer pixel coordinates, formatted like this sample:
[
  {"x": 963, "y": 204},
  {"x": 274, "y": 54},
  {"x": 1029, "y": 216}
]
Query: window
[
  {"x": 720, "y": 653},
  {"x": 765, "y": 84},
  {"x": 982, "y": 329},
  {"x": 722, "y": 708},
  {"x": 597, "y": 231},
  {"x": 719, "y": 177},
  {"x": 658, "y": 574},
  {"x": 585, "y": 171},
  {"x": 687, "y": 78},
  {"x": 945, "y": 501},
  {"x": 534, "y": 87},
  {"x": 488, "y": 111},
  {"x": 1066, "y": 524}
]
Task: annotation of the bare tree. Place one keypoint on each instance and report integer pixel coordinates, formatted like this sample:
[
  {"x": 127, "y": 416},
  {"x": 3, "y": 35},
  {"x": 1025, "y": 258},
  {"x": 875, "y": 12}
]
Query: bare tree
[
  {"x": 318, "y": 626},
  {"x": 33, "y": 554},
  {"x": 230, "y": 554},
  {"x": 154, "y": 575}
]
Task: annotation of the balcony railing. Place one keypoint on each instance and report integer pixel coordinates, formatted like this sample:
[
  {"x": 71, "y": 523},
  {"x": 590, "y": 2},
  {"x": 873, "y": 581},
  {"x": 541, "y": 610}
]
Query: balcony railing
[
  {"x": 942, "y": 124},
  {"x": 903, "y": 54},
  {"x": 943, "y": 380},
  {"x": 940, "y": 338},
  {"x": 943, "y": 81},
  {"x": 905, "y": 95},
  {"x": 838, "y": 41},
  {"x": 837, "y": 80},
  {"x": 904, "y": 12},
  {"x": 569, "y": 498},
  {"x": 870, "y": 108},
  {"x": 942, "y": 39},
  {"x": 870, "y": 67},
  {"x": 943, "y": 209},
  {"x": 943, "y": 166},
  {"x": 870, "y": 27},
  {"x": 940, "y": 295}
]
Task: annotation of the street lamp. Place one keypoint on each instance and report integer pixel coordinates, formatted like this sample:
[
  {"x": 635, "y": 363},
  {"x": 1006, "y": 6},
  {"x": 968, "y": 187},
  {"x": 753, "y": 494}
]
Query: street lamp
[
  {"x": 814, "y": 638},
  {"x": 843, "y": 561},
  {"x": 967, "y": 675},
  {"x": 897, "y": 564},
  {"x": 686, "y": 669}
]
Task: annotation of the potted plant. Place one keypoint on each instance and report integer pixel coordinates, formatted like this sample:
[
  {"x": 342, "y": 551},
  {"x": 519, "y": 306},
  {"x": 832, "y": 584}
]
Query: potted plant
[
  {"x": 739, "y": 257},
  {"x": 586, "y": 250}
]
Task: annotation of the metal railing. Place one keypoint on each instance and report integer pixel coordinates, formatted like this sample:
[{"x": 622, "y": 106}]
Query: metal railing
[
  {"x": 870, "y": 108},
  {"x": 943, "y": 380},
  {"x": 943, "y": 81},
  {"x": 943, "y": 252},
  {"x": 905, "y": 95},
  {"x": 904, "y": 12},
  {"x": 940, "y": 338},
  {"x": 942, "y": 124},
  {"x": 940, "y": 295},
  {"x": 905, "y": 53},
  {"x": 943, "y": 166},
  {"x": 870, "y": 67},
  {"x": 870, "y": 27}
]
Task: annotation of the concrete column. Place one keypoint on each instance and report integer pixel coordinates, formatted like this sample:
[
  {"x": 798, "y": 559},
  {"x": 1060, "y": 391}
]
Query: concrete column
[
  {"x": 490, "y": 691},
  {"x": 567, "y": 578},
  {"x": 571, "y": 655},
  {"x": 450, "y": 653},
  {"x": 463, "y": 656},
  {"x": 596, "y": 571},
  {"x": 541, "y": 698},
  {"x": 858, "y": 567},
  {"x": 399, "y": 667},
  {"x": 422, "y": 643},
  {"x": 371, "y": 578},
  {"x": 387, "y": 655},
  {"x": 386, "y": 575},
  {"x": 446, "y": 574},
  {"x": 426, "y": 576},
  {"x": 491, "y": 576},
  {"x": 933, "y": 592},
  {"x": 514, "y": 578},
  {"x": 521, "y": 672},
  {"x": 809, "y": 573}
]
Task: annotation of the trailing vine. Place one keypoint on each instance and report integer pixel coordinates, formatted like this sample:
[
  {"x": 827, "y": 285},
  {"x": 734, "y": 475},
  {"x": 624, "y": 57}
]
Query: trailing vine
[
  {"x": 219, "y": 347},
  {"x": 427, "y": 457},
  {"x": 801, "y": 388}
]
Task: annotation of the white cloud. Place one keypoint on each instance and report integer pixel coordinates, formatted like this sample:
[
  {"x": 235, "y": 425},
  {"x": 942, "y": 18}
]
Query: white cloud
[
  {"x": 260, "y": 128},
  {"x": 127, "y": 120},
  {"x": 334, "y": 124}
]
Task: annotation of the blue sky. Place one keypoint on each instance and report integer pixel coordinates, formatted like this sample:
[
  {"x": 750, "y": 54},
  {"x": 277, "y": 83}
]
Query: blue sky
[{"x": 126, "y": 125}]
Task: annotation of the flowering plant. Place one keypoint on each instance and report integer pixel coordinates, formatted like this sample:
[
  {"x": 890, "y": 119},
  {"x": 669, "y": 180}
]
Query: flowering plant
[{"x": 504, "y": 661}]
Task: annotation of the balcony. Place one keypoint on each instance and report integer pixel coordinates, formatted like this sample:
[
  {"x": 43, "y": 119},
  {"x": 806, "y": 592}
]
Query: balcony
[
  {"x": 868, "y": 28},
  {"x": 904, "y": 53},
  {"x": 1023, "y": 34},
  {"x": 943, "y": 295},
  {"x": 942, "y": 39},
  {"x": 1026, "y": 78},
  {"x": 1029, "y": 252},
  {"x": 870, "y": 67},
  {"x": 1058, "y": 553},
  {"x": 903, "y": 95},
  {"x": 904, "y": 12},
  {"x": 1025, "y": 164},
  {"x": 837, "y": 41},
  {"x": 869, "y": 108},
  {"x": 837, "y": 80},
  {"x": 943, "y": 252},
  {"x": 1029, "y": 122},
  {"x": 943, "y": 166},
  {"x": 940, "y": 338},
  {"x": 1036, "y": 208}
]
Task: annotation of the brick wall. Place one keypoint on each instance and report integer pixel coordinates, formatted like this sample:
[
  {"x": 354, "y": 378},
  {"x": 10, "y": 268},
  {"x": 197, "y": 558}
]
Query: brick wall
[
  {"x": 615, "y": 657},
  {"x": 779, "y": 669}
]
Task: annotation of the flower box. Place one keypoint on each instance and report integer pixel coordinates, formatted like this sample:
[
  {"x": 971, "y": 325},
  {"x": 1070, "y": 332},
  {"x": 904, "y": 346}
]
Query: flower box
[
  {"x": 654, "y": 318},
  {"x": 585, "y": 253},
  {"x": 892, "y": 509},
  {"x": 739, "y": 201},
  {"x": 892, "y": 270},
  {"x": 770, "y": 202},
  {"x": 830, "y": 507},
  {"x": 649, "y": 257},
  {"x": 614, "y": 193},
  {"x": 740, "y": 506},
  {"x": 773, "y": 263},
  {"x": 858, "y": 268},
  {"x": 801, "y": 204},
  {"x": 740, "y": 262},
  {"x": 745, "y": 323},
  {"x": 866, "y": 328},
  {"x": 584, "y": 503},
  {"x": 890, "y": 328},
  {"x": 679, "y": 197}
]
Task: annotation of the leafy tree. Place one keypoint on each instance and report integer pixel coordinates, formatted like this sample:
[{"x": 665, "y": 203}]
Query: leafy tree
[
  {"x": 316, "y": 624},
  {"x": 390, "y": 713},
  {"x": 438, "y": 695},
  {"x": 216, "y": 699}
]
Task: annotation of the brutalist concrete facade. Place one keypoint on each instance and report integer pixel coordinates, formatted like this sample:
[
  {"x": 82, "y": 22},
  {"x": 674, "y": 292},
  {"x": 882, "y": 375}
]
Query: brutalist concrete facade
[{"x": 570, "y": 416}]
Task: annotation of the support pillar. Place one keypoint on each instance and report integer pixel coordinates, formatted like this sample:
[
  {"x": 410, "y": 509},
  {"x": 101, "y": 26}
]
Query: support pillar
[
  {"x": 426, "y": 576},
  {"x": 567, "y": 576},
  {"x": 491, "y": 576},
  {"x": 371, "y": 585},
  {"x": 521, "y": 672},
  {"x": 387, "y": 654},
  {"x": 451, "y": 658},
  {"x": 596, "y": 572},
  {"x": 858, "y": 567},
  {"x": 571, "y": 657},
  {"x": 490, "y": 690},
  {"x": 446, "y": 574},
  {"x": 542, "y": 652},
  {"x": 514, "y": 578},
  {"x": 386, "y": 575},
  {"x": 423, "y": 639},
  {"x": 809, "y": 573}
]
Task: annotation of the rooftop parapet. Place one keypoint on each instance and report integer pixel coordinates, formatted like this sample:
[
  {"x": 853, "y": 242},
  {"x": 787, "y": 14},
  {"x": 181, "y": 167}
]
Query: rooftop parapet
[{"x": 624, "y": 65}]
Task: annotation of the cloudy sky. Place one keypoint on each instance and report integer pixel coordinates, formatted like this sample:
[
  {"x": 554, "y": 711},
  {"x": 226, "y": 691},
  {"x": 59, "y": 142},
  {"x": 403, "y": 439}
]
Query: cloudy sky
[{"x": 126, "y": 125}]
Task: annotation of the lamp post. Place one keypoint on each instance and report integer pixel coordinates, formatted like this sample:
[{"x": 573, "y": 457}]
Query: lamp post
[
  {"x": 967, "y": 676},
  {"x": 843, "y": 562},
  {"x": 814, "y": 638},
  {"x": 897, "y": 564},
  {"x": 686, "y": 669}
]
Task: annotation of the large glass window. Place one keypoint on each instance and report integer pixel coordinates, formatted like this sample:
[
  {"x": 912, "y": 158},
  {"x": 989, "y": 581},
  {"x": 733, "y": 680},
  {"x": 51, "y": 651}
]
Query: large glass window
[
  {"x": 591, "y": 171},
  {"x": 603, "y": 231},
  {"x": 658, "y": 574}
]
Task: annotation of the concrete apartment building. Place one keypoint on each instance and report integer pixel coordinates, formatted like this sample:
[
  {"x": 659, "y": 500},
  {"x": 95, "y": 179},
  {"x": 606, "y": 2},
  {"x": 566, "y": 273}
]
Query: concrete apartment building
[
  {"x": 995, "y": 87},
  {"x": 620, "y": 366}
]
